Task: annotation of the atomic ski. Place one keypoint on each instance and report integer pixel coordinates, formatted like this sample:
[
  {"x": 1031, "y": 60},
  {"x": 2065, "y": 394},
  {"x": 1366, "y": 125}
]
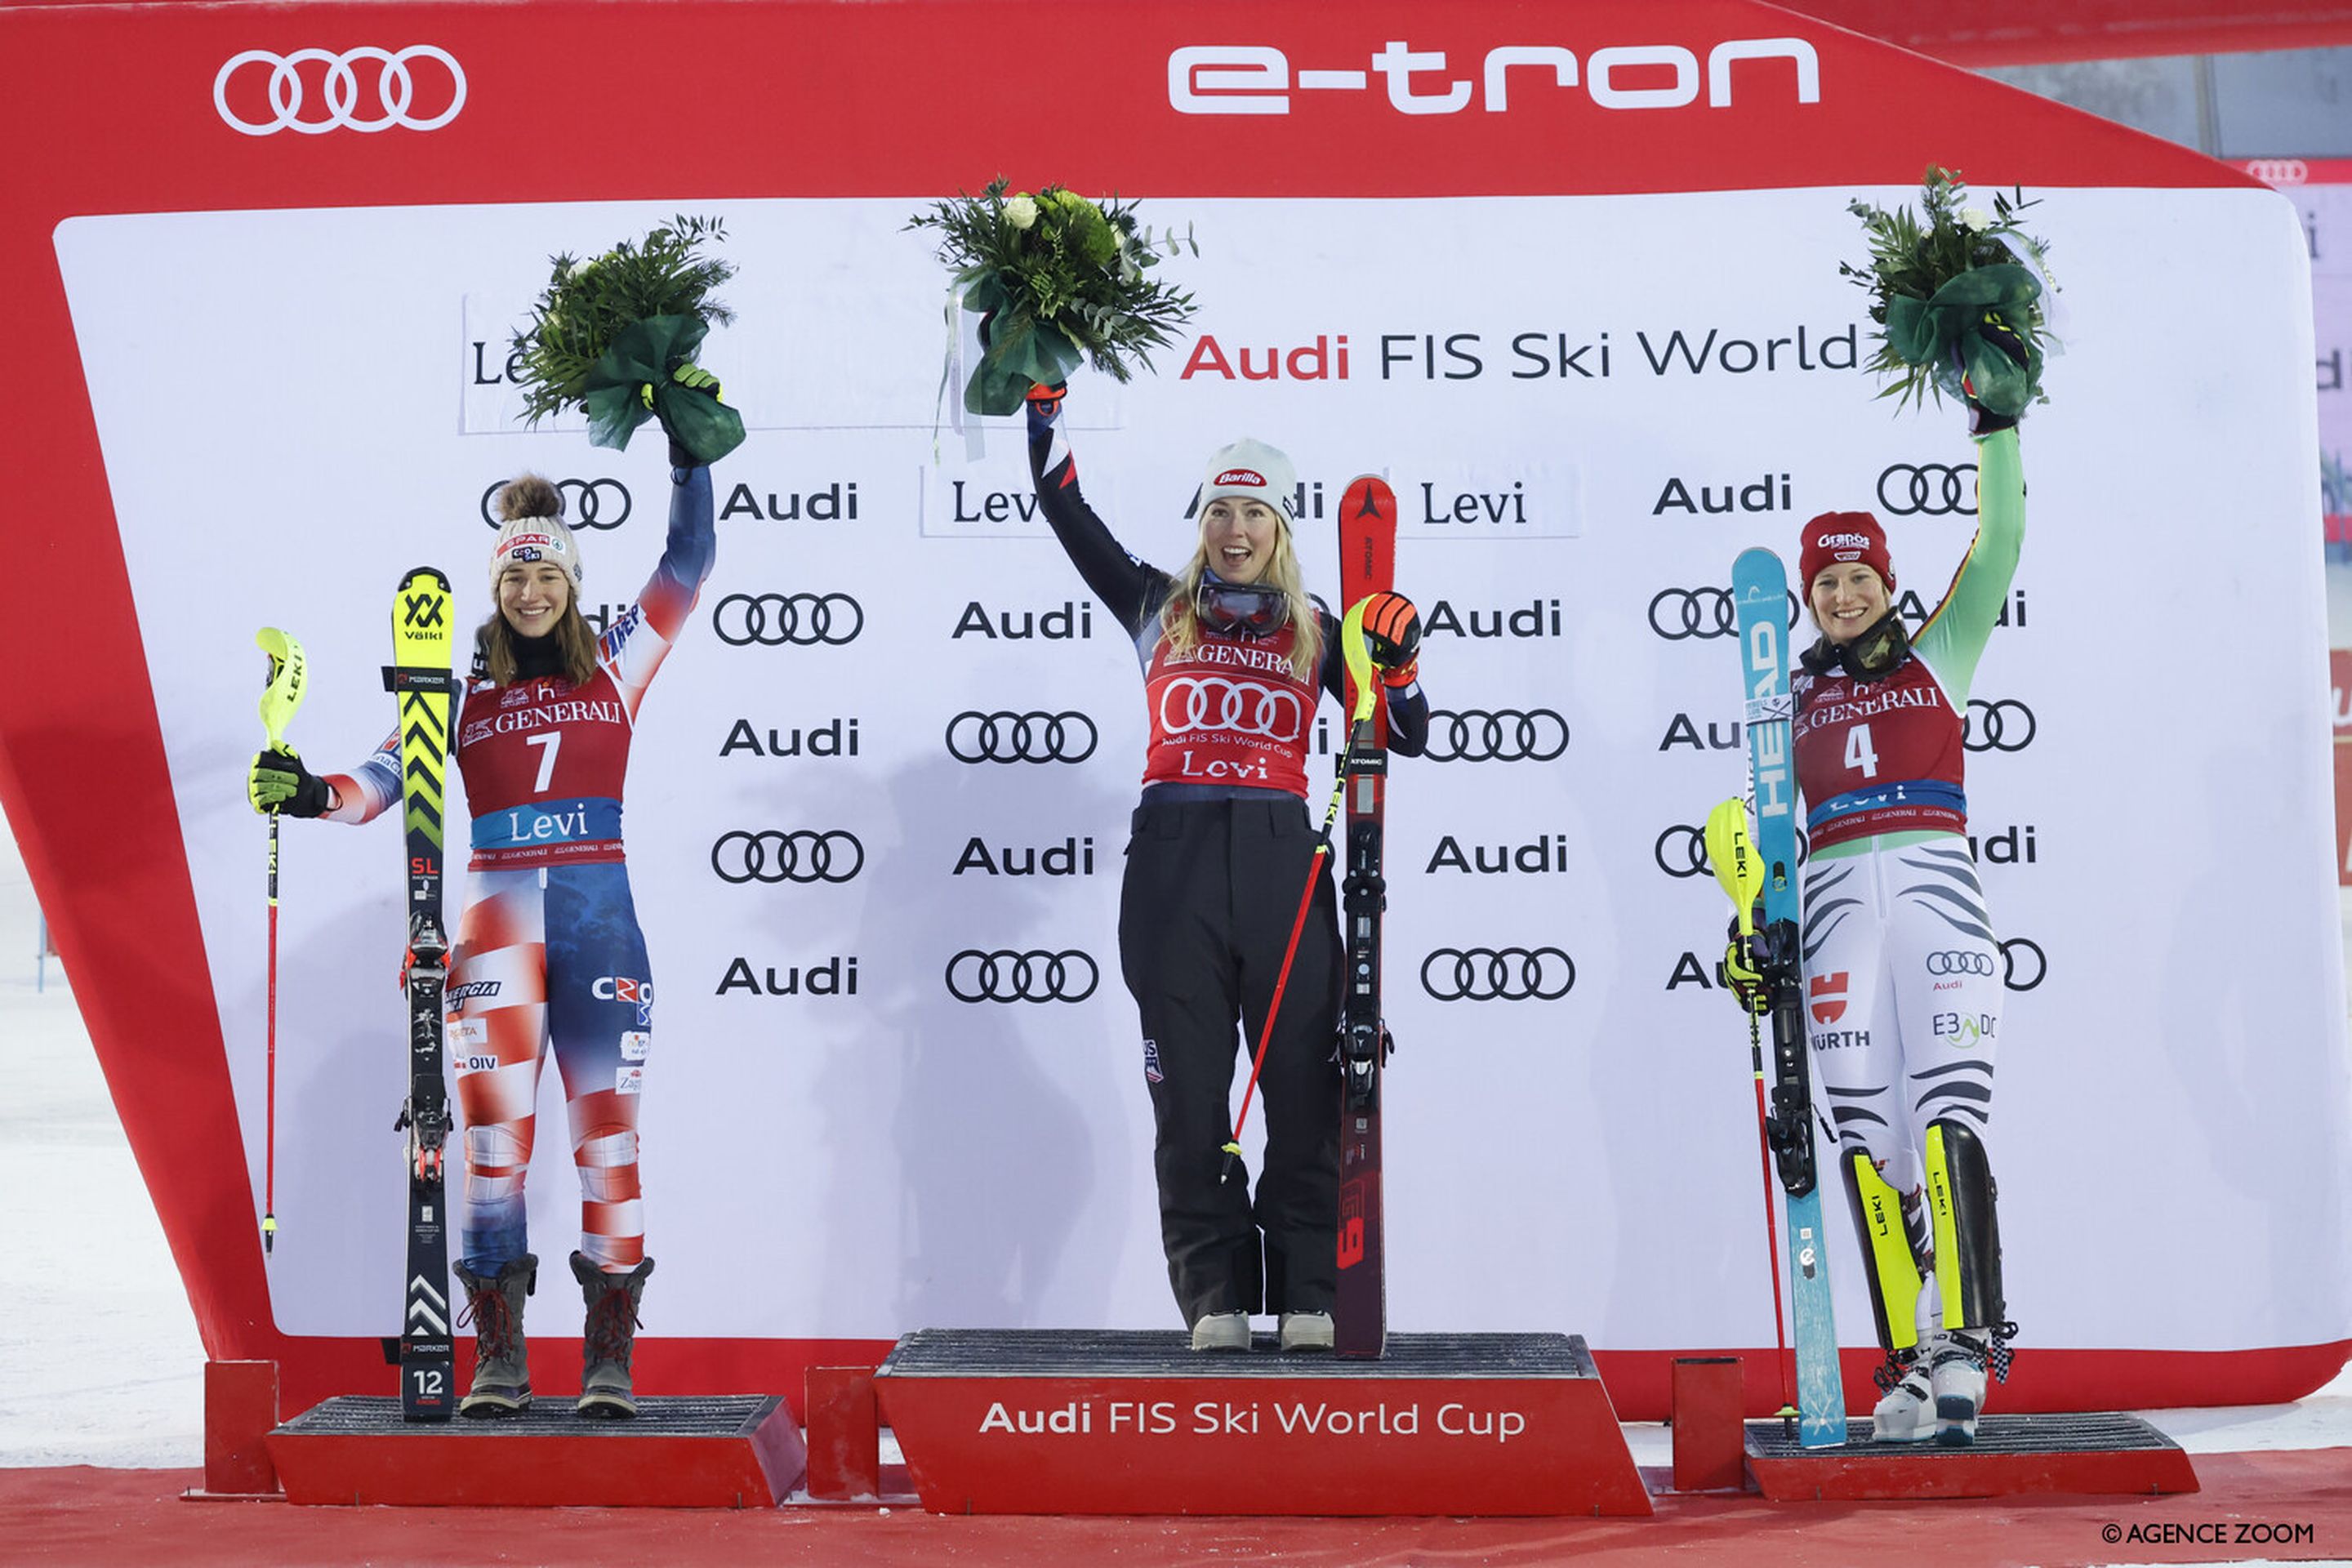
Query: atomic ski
[
  {"x": 1759, "y": 588},
  {"x": 419, "y": 676},
  {"x": 1367, "y": 566}
]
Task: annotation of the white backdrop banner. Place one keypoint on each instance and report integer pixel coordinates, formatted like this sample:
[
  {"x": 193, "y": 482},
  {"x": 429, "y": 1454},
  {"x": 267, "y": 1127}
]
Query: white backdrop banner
[{"x": 1588, "y": 406}]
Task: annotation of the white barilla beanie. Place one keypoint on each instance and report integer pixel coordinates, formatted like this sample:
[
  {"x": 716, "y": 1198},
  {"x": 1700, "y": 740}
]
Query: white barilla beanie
[{"x": 1256, "y": 471}]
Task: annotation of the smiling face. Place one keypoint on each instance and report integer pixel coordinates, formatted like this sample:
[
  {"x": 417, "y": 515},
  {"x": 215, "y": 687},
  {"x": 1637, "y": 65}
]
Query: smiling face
[
  {"x": 1237, "y": 535},
  {"x": 532, "y": 596},
  {"x": 1847, "y": 598}
]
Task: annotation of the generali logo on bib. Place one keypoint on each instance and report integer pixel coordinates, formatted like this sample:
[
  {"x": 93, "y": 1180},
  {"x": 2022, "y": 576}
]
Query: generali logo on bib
[
  {"x": 1241, "y": 477},
  {"x": 1258, "y": 79}
]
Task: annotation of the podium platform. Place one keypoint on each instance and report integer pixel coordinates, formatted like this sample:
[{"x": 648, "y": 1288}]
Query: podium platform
[
  {"x": 734, "y": 1451},
  {"x": 2013, "y": 1456},
  {"x": 1037, "y": 1421}
]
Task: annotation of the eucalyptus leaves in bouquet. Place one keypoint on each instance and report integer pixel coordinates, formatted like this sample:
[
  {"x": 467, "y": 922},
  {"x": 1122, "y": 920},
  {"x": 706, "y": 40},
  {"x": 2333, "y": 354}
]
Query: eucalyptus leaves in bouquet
[
  {"x": 607, "y": 335},
  {"x": 1056, "y": 278},
  {"x": 1937, "y": 279}
]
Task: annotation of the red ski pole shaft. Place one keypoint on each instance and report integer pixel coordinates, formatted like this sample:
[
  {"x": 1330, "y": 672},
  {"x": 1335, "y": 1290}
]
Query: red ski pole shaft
[
  {"x": 1274, "y": 1008},
  {"x": 1771, "y": 1221}
]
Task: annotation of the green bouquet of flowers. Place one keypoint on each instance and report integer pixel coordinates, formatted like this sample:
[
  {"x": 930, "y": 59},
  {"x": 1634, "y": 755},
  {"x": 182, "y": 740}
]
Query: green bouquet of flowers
[
  {"x": 1056, "y": 278},
  {"x": 1938, "y": 280},
  {"x": 606, "y": 336}
]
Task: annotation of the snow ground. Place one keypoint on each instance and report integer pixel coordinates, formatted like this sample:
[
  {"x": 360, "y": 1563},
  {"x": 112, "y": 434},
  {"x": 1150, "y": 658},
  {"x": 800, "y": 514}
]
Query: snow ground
[{"x": 99, "y": 1361}]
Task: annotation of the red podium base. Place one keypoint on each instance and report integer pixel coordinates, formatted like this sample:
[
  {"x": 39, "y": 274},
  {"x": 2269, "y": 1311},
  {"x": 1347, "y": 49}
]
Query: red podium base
[
  {"x": 739, "y": 1451},
  {"x": 2014, "y": 1455},
  {"x": 1009, "y": 1421}
]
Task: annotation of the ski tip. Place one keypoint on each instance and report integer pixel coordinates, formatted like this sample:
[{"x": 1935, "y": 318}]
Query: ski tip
[
  {"x": 1367, "y": 495},
  {"x": 434, "y": 573}
]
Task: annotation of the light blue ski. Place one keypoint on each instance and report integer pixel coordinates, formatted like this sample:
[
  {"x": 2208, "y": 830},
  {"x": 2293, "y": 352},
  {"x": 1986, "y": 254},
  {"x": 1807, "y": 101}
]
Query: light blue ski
[{"x": 1759, "y": 588}]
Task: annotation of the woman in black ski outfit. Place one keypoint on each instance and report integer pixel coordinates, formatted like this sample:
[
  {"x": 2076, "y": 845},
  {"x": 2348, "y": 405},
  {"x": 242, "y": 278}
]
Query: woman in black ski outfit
[{"x": 1233, "y": 654}]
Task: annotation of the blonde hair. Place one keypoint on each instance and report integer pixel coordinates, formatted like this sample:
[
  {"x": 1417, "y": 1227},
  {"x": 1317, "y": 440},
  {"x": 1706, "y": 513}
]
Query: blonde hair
[{"x": 1179, "y": 620}]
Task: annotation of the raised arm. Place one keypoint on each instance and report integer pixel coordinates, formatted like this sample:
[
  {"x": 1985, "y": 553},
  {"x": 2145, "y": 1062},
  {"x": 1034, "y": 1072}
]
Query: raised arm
[{"x": 1127, "y": 588}]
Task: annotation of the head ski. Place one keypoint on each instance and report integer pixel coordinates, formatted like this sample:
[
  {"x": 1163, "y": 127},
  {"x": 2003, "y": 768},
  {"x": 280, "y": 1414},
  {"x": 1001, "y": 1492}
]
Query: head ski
[
  {"x": 419, "y": 678},
  {"x": 1367, "y": 565},
  {"x": 1759, "y": 588}
]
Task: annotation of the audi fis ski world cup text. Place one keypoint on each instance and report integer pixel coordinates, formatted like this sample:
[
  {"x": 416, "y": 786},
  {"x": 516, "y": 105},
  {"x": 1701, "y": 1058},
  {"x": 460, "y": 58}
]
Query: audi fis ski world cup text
[
  {"x": 1248, "y": 1419},
  {"x": 1519, "y": 352}
]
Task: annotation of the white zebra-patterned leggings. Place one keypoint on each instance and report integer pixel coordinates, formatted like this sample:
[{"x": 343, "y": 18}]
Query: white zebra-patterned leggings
[{"x": 1903, "y": 995}]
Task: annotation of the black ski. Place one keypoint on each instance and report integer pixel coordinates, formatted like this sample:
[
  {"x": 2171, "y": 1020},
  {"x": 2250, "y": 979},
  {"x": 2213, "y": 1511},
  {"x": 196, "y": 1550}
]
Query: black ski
[{"x": 419, "y": 677}]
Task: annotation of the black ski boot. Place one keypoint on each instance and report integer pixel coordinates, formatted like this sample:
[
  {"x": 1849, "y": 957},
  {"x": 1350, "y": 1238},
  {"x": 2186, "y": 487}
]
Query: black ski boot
[
  {"x": 609, "y": 1337},
  {"x": 501, "y": 1368}
]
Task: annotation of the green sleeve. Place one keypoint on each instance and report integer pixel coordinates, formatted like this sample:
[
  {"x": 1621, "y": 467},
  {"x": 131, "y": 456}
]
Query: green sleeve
[{"x": 1954, "y": 637}]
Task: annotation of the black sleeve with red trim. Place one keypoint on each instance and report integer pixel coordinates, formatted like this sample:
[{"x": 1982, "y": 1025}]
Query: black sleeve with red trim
[{"x": 1126, "y": 587}]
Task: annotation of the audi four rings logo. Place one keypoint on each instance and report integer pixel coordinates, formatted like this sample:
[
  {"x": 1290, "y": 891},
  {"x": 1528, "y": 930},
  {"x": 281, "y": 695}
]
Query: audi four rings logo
[
  {"x": 1957, "y": 963},
  {"x": 2004, "y": 726},
  {"x": 2021, "y": 957},
  {"x": 1497, "y": 974},
  {"x": 1928, "y": 490},
  {"x": 801, "y": 856},
  {"x": 1678, "y": 614},
  {"x": 1681, "y": 851},
  {"x": 423, "y": 101},
  {"x": 1212, "y": 703},
  {"x": 587, "y": 503},
  {"x": 1020, "y": 737},
  {"x": 775, "y": 619},
  {"x": 1504, "y": 735},
  {"x": 1007, "y": 976}
]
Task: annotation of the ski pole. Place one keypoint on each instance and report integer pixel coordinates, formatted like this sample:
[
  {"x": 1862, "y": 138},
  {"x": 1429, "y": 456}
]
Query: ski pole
[
  {"x": 1358, "y": 659},
  {"x": 1741, "y": 873},
  {"x": 282, "y": 694}
]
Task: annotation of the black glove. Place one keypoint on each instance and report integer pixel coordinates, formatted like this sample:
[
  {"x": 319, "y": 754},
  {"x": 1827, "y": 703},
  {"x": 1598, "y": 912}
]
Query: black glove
[
  {"x": 277, "y": 782},
  {"x": 1392, "y": 633},
  {"x": 700, "y": 380},
  {"x": 1997, "y": 331},
  {"x": 1739, "y": 968}
]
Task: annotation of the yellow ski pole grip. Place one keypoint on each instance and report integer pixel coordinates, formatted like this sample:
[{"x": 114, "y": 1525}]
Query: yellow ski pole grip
[{"x": 1736, "y": 865}]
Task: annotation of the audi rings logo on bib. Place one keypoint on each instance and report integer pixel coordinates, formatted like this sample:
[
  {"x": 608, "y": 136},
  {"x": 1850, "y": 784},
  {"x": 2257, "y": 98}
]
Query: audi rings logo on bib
[
  {"x": 587, "y": 503},
  {"x": 1502, "y": 735},
  {"x": 1004, "y": 975},
  {"x": 1197, "y": 704},
  {"x": 975, "y": 737},
  {"x": 420, "y": 88},
  {"x": 1928, "y": 490},
  {"x": 1497, "y": 974},
  {"x": 804, "y": 856},
  {"x": 2007, "y": 725},
  {"x": 1678, "y": 615},
  {"x": 772, "y": 620},
  {"x": 2023, "y": 963}
]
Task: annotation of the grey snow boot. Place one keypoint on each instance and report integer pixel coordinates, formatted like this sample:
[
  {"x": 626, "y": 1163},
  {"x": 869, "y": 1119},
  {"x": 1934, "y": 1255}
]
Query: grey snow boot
[
  {"x": 609, "y": 1337},
  {"x": 501, "y": 1367}
]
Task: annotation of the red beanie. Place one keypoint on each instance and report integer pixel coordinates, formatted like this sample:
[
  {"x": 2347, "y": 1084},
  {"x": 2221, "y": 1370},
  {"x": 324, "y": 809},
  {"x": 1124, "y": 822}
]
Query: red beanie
[{"x": 1839, "y": 536}]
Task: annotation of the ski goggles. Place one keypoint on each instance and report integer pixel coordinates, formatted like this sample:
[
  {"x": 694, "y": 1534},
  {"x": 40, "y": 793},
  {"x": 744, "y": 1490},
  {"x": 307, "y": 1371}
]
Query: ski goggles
[{"x": 1234, "y": 609}]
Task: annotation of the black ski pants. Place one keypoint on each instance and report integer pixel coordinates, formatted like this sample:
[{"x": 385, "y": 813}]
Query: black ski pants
[{"x": 1205, "y": 914}]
